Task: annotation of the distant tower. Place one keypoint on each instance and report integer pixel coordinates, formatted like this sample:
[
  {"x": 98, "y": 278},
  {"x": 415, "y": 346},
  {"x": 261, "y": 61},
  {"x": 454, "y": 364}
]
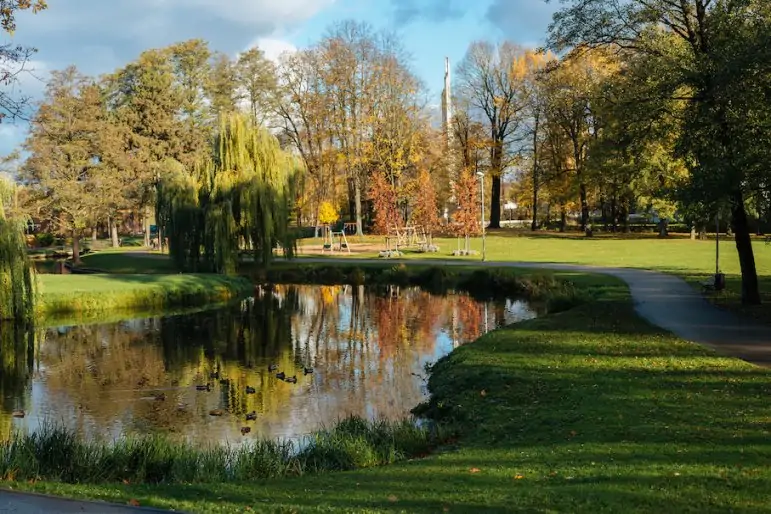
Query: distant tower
[{"x": 447, "y": 102}]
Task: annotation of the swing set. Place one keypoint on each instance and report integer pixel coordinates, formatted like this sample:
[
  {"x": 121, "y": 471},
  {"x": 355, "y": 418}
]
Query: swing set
[{"x": 334, "y": 239}]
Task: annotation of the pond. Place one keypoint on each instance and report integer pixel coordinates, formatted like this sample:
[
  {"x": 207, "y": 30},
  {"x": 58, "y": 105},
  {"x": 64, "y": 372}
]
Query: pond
[{"x": 367, "y": 349}]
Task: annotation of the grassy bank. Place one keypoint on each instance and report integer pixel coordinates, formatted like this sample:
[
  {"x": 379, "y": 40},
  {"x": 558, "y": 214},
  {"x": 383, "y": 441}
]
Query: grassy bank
[
  {"x": 555, "y": 293},
  {"x": 80, "y": 298},
  {"x": 55, "y": 454},
  {"x": 589, "y": 410}
]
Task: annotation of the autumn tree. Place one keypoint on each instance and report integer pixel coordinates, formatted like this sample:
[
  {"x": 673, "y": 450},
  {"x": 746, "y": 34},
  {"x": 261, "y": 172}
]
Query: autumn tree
[
  {"x": 62, "y": 170},
  {"x": 383, "y": 196},
  {"x": 304, "y": 111},
  {"x": 466, "y": 218},
  {"x": 425, "y": 209},
  {"x": 490, "y": 77},
  {"x": 221, "y": 86}
]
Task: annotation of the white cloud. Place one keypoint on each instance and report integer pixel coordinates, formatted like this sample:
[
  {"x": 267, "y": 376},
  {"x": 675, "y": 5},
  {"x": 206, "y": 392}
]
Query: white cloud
[
  {"x": 282, "y": 12},
  {"x": 272, "y": 47}
]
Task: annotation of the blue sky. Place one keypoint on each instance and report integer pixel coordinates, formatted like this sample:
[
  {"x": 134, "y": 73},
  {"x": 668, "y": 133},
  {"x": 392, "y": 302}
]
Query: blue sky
[{"x": 100, "y": 35}]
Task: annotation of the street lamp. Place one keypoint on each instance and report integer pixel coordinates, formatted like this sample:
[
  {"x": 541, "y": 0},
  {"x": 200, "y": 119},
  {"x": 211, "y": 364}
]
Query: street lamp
[{"x": 482, "y": 188}]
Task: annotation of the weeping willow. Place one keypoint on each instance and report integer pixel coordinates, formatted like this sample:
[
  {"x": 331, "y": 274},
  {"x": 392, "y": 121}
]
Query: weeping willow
[
  {"x": 16, "y": 273},
  {"x": 238, "y": 198}
]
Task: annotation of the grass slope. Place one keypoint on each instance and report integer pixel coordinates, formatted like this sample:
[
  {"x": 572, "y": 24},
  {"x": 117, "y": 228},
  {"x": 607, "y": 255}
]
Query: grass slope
[
  {"x": 81, "y": 298},
  {"x": 589, "y": 410}
]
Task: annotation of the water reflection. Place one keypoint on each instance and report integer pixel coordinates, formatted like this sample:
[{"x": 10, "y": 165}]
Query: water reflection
[{"x": 367, "y": 348}]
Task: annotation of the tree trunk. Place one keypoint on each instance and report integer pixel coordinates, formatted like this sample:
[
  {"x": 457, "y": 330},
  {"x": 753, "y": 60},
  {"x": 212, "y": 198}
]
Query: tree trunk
[
  {"x": 693, "y": 232},
  {"x": 357, "y": 200},
  {"x": 351, "y": 198},
  {"x": 146, "y": 223},
  {"x": 114, "y": 232},
  {"x": 534, "y": 224},
  {"x": 76, "y": 248},
  {"x": 563, "y": 218},
  {"x": 584, "y": 206},
  {"x": 495, "y": 202},
  {"x": 614, "y": 211},
  {"x": 94, "y": 234},
  {"x": 741, "y": 229}
]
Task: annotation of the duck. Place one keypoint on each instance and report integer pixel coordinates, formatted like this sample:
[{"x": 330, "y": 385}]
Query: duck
[
  {"x": 245, "y": 430},
  {"x": 273, "y": 367},
  {"x": 206, "y": 387},
  {"x": 250, "y": 390},
  {"x": 216, "y": 412},
  {"x": 160, "y": 397},
  {"x": 291, "y": 380},
  {"x": 307, "y": 370},
  {"x": 251, "y": 416},
  {"x": 281, "y": 376},
  {"x": 18, "y": 414}
]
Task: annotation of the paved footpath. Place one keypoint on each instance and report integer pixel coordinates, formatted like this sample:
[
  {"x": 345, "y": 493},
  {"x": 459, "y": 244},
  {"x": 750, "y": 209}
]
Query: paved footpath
[
  {"x": 25, "y": 503},
  {"x": 664, "y": 300}
]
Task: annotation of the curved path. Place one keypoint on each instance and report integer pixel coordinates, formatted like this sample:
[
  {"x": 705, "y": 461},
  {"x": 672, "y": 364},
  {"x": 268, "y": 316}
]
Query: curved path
[{"x": 664, "y": 300}]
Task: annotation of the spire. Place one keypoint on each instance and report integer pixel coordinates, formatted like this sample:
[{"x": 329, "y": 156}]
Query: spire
[{"x": 446, "y": 99}]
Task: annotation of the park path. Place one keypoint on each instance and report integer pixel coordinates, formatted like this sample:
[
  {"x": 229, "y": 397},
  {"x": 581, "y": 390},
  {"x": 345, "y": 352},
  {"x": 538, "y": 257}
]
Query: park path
[
  {"x": 664, "y": 300},
  {"x": 12, "y": 502}
]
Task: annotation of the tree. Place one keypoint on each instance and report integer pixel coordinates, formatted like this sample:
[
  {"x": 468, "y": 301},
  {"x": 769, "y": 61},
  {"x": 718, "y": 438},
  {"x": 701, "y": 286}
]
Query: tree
[
  {"x": 571, "y": 88},
  {"x": 304, "y": 110},
  {"x": 143, "y": 97},
  {"x": 13, "y": 58},
  {"x": 62, "y": 170},
  {"x": 383, "y": 196},
  {"x": 256, "y": 78},
  {"x": 535, "y": 112},
  {"x": 490, "y": 77},
  {"x": 328, "y": 213},
  {"x": 16, "y": 280},
  {"x": 242, "y": 192},
  {"x": 222, "y": 86},
  {"x": 466, "y": 217},
  {"x": 425, "y": 209},
  {"x": 704, "y": 49}
]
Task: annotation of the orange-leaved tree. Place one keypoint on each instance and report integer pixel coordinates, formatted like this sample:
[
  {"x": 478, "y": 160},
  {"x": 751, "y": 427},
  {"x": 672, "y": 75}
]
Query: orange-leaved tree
[
  {"x": 425, "y": 209},
  {"x": 383, "y": 196},
  {"x": 466, "y": 217}
]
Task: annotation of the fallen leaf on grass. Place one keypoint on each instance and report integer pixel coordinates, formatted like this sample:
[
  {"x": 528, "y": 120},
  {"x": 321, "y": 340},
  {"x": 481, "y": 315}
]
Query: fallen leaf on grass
[
  {"x": 126, "y": 482},
  {"x": 518, "y": 477},
  {"x": 133, "y": 502},
  {"x": 483, "y": 393},
  {"x": 393, "y": 498},
  {"x": 474, "y": 470}
]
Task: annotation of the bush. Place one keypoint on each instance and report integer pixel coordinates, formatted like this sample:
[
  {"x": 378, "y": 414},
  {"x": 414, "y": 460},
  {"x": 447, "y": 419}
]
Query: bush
[{"x": 44, "y": 239}]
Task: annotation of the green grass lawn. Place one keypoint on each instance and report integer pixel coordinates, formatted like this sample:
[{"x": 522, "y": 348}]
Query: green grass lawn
[
  {"x": 123, "y": 261},
  {"x": 79, "y": 298},
  {"x": 589, "y": 410}
]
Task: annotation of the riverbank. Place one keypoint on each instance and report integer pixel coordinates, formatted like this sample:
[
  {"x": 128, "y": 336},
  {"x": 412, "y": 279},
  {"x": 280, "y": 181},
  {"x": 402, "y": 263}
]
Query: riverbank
[
  {"x": 588, "y": 410},
  {"x": 693, "y": 261},
  {"x": 85, "y": 298}
]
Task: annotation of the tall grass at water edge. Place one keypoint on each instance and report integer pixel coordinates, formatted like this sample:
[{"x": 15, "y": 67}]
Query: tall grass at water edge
[{"x": 55, "y": 453}]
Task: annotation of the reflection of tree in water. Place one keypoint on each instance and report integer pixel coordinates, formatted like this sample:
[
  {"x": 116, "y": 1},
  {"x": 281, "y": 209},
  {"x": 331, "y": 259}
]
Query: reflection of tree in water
[
  {"x": 17, "y": 346},
  {"x": 364, "y": 343}
]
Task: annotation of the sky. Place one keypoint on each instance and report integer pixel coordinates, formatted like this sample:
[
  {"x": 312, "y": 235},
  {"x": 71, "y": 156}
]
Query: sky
[{"x": 99, "y": 36}]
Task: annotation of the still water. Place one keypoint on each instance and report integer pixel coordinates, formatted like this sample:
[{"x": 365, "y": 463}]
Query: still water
[{"x": 367, "y": 349}]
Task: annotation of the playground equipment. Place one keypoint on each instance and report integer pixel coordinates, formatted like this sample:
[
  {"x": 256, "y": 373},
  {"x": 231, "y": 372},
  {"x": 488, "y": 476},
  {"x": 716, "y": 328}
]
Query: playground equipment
[
  {"x": 407, "y": 236},
  {"x": 334, "y": 239}
]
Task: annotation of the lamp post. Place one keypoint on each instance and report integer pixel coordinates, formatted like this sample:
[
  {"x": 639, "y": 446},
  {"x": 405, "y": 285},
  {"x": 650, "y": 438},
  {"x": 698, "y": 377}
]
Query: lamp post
[{"x": 482, "y": 188}]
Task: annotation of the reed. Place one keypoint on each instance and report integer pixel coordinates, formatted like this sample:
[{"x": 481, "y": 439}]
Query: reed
[{"x": 55, "y": 453}]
